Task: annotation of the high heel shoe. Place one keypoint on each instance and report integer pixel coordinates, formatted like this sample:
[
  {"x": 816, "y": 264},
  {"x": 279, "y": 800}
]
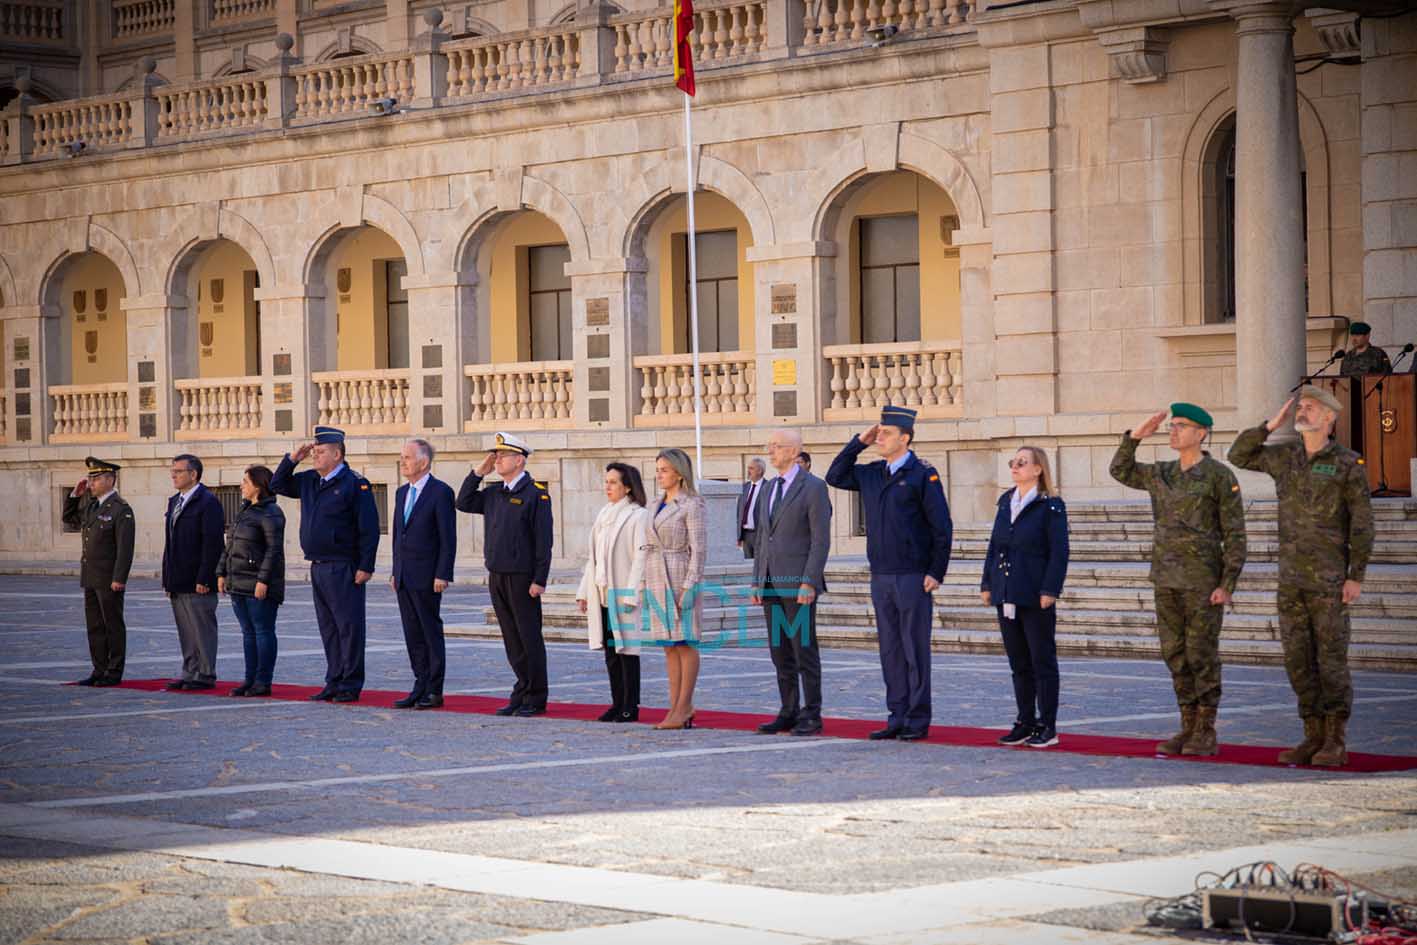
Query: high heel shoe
[{"x": 689, "y": 722}]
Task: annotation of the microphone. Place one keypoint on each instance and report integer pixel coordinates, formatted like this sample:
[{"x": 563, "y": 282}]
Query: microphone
[{"x": 1337, "y": 356}]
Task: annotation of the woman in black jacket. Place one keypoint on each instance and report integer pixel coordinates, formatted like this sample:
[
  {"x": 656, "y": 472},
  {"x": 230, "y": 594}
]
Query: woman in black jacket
[
  {"x": 252, "y": 571},
  {"x": 1023, "y": 577}
]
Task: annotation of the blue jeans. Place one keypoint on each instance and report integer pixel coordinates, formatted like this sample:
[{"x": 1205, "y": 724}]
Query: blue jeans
[{"x": 258, "y": 636}]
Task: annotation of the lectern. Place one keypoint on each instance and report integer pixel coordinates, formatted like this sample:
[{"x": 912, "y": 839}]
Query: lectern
[{"x": 1389, "y": 432}]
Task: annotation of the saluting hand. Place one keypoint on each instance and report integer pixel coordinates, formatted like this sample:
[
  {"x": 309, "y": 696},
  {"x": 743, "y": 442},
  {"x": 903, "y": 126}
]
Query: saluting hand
[
  {"x": 1149, "y": 427},
  {"x": 1278, "y": 419},
  {"x": 362, "y": 577},
  {"x": 869, "y": 436},
  {"x": 301, "y": 451},
  {"x": 486, "y": 465},
  {"x": 81, "y": 487}
]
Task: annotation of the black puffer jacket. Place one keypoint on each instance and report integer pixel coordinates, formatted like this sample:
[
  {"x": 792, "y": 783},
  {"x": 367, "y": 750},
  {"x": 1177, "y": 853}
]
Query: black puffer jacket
[{"x": 255, "y": 551}]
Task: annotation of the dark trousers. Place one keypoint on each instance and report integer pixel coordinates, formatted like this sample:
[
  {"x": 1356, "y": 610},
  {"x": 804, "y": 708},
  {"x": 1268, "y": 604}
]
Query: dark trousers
[
  {"x": 258, "y": 636},
  {"x": 903, "y": 614},
  {"x": 750, "y": 539},
  {"x": 622, "y": 668},
  {"x": 1033, "y": 660},
  {"x": 519, "y": 616},
  {"x": 792, "y": 641},
  {"x": 339, "y": 610},
  {"x": 108, "y": 634},
  {"x": 423, "y": 635}
]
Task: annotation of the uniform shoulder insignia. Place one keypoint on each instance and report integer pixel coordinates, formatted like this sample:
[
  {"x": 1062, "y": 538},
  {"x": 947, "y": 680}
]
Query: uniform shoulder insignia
[
  {"x": 1234, "y": 487},
  {"x": 935, "y": 477},
  {"x": 539, "y": 485},
  {"x": 363, "y": 487},
  {"x": 1361, "y": 461}
]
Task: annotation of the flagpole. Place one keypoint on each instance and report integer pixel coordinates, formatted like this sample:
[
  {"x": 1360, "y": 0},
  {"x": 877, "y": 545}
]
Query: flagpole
[{"x": 693, "y": 294}]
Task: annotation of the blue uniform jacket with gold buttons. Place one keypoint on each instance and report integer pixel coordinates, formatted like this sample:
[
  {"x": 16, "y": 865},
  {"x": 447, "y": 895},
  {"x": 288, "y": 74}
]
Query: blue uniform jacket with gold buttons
[
  {"x": 1029, "y": 556},
  {"x": 338, "y": 519},
  {"x": 518, "y": 522},
  {"x": 908, "y": 527}
]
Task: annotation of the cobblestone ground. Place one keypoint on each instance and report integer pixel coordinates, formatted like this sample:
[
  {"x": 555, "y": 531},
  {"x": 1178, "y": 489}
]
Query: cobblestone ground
[{"x": 154, "y": 817}]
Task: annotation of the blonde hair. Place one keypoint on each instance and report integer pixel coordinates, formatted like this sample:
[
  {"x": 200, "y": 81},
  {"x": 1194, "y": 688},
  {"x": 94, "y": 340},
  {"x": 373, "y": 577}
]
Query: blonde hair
[
  {"x": 683, "y": 465},
  {"x": 1045, "y": 483}
]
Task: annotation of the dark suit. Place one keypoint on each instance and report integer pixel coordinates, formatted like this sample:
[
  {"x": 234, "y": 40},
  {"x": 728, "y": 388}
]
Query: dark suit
[
  {"x": 749, "y": 536},
  {"x": 193, "y": 548},
  {"x": 108, "y": 533},
  {"x": 423, "y": 551},
  {"x": 794, "y": 538}
]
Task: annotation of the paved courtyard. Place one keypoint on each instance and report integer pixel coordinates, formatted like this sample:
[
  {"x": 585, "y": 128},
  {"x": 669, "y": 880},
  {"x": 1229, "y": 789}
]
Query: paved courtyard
[{"x": 166, "y": 817}]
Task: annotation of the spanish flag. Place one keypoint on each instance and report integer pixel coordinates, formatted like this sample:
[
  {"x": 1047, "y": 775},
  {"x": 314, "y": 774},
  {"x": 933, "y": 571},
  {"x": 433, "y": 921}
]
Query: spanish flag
[{"x": 683, "y": 52}]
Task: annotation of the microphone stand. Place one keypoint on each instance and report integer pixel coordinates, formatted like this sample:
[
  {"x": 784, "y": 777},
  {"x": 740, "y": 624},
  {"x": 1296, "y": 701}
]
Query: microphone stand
[
  {"x": 1382, "y": 490},
  {"x": 1337, "y": 355}
]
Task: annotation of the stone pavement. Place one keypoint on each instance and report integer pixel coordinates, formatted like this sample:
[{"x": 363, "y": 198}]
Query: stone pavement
[{"x": 130, "y": 816}]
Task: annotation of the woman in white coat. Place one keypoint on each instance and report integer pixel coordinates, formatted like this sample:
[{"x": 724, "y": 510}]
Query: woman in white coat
[{"x": 609, "y": 594}]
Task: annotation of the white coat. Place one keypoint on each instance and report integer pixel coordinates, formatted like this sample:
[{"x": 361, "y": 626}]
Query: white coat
[{"x": 628, "y": 526}]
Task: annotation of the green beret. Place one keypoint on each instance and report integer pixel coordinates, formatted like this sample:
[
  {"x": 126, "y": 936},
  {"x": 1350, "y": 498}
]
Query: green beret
[
  {"x": 1192, "y": 413},
  {"x": 1360, "y": 328}
]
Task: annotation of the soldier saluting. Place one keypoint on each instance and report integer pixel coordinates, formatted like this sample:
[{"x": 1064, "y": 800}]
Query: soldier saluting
[
  {"x": 106, "y": 521},
  {"x": 1198, "y": 549},
  {"x": 1325, "y": 540}
]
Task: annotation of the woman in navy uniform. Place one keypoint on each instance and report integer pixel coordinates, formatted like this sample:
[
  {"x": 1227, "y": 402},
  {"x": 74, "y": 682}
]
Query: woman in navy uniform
[{"x": 1023, "y": 578}]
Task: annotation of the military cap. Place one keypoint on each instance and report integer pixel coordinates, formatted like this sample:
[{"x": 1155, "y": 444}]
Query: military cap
[
  {"x": 328, "y": 435},
  {"x": 100, "y": 467},
  {"x": 1310, "y": 392},
  {"x": 507, "y": 443},
  {"x": 1192, "y": 413},
  {"x": 902, "y": 417},
  {"x": 1360, "y": 328}
]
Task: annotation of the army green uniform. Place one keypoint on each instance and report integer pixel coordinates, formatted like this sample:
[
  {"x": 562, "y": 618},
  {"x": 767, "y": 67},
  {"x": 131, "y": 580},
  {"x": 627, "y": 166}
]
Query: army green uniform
[
  {"x": 107, "y": 558},
  {"x": 1374, "y": 360},
  {"x": 1325, "y": 538},
  {"x": 1198, "y": 545}
]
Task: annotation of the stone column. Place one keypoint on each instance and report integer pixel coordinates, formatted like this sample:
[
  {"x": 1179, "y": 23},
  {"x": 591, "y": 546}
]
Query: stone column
[
  {"x": 606, "y": 386},
  {"x": 32, "y": 349},
  {"x": 436, "y": 355},
  {"x": 185, "y": 19},
  {"x": 786, "y": 331},
  {"x": 287, "y": 394},
  {"x": 152, "y": 400},
  {"x": 1271, "y": 309},
  {"x": 976, "y": 302}
]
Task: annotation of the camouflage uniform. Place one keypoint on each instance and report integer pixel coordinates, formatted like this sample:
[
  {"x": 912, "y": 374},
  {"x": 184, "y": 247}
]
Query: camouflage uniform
[
  {"x": 1198, "y": 546},
  {"x": 1371, "y": 361},
  {"x": 1325, "y": 538}
]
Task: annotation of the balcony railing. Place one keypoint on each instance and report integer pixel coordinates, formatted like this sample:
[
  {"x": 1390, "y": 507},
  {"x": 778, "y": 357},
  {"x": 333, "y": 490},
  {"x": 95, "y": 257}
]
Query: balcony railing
[
  {"x": 33, "y": 21},
  {"x": 101, "y": 122},
  {"x": 86, "y": 413},
  {"x": 927, "y": 375},
  {"x": 729, "y": 386},
  {"x": 350, "y": 86},
  {"x": 218, "y": 406},
  {"x": 831, "y": 22},
  {"x": 132, "y": 18},
  {"x": 222, "y": 12},
  {"x": 363, "y": 401},
  {"x": 539, "y": 391},
  {"x": 233, "y": 103},
  {"x": 487, "y": 65},
  {"x": 723, "y": 33}
]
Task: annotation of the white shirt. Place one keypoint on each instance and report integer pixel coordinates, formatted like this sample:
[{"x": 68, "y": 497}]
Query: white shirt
[
  {"x": 1017, "y": 503},
  {"x": 752, "y": 521},
  {"x": 185, "y": 497},
  {"x": 415, "y": 489},
  {"x": 509, "y": 486},
  {"x": 104, "y": 498},
  {"x": 333, "y": 473},
  {"x": 787, "y": 479}
]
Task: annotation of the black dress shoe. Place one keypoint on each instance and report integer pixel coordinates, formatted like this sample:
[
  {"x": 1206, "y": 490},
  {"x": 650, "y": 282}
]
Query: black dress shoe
[
  {"x": 430, "y": 701},
  {"x": 177, "y": 685},
  {"x": 808, "y": 727},
  {"x": 241, "y": 690},
  {"x": 259, "y": 690},
  {"x": 509, "y": 709},
  {"x": 107, "y": 681},
  {"x": 526, "y": 711},
  {"x": 913, "y": 735},
  {"x": 197, "y": 685},
  {"x": 87, "y": 682},
  {"x": 629, "y": 715},
  {"x": 892, "y": 731},
  {"x": 408, "y": 701},
  {"x": 610, "y": 714},
  {"x": 324, "y": 695},
  {"x": 777, "y": 725},
  {"x": 345, "y": 696}
]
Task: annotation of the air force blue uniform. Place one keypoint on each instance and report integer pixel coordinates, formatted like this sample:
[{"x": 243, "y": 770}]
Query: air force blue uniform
[
  {"x": 339, "y": 534},
  {"x": 908, "y": 536}
]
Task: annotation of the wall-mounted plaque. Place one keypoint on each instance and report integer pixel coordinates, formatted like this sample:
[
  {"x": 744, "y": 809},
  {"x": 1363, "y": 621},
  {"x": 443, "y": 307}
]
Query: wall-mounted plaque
[
  {"x": 432, "y": 385},
  {"x": 784, "y": 299},
  {"x": 218, "y": 291},
  {"x": 784, "y": 335},
  {"x": 22, "y": 428},
  {"x": 784, "y": 372},
  {"x": 91, "y": 346},
  {"x": 432, "y": 356},
  {"x": 284, "y": 421},
  {"x": 598, "y": 379},
  {"x": 283, "y": 393},
  {"x": 597, "y": 312},
  {"x": 343, "y": 280},
  {"x": 599, "y": 410},
  {"x": 147, "y": 425},
  {"x": 597, "y": 346},
  {"x": 280, "y": 365},
  {"x": 22, "y": 404},
  {"x": 432, "y": 416},
  {"x": 784, "y": 403},
  {"x": 22, "y": 378},
  {"x": 147, "y": 372},
  {"x": 100, "y": 299},
  {"x": 22, "y": 349},
  {"x": 147, "y": 398}
]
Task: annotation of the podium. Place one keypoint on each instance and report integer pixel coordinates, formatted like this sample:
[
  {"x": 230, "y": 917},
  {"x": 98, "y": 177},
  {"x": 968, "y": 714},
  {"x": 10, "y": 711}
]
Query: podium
[{"x": 1389, "y": 431}]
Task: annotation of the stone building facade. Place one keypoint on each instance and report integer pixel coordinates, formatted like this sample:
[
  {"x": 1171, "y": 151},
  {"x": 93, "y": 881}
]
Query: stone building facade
[{"x": 225, "y": 221}]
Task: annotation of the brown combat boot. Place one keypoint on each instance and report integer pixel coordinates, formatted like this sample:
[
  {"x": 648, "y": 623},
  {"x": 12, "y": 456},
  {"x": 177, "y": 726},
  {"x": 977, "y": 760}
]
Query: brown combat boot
[
  {"x": 1174, "y": 744},
  {"x": 1303, "y": 752},
  {"x": 1202, "y": 738},
  {"x": 1334, "y": 753}
]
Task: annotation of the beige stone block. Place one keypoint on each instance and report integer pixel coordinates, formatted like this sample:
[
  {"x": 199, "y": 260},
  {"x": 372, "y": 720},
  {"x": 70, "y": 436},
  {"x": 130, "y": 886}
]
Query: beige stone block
[
  {"x": 1404, "y": 126},
  {"x": 1202, "y": 85},
  {"x": 1386, "y": 274},
  {"x": 1142, "y": 349},
  {"x": 1088, "y": 269},
  {"x": 1150, "y": 98},
  {"x": 1019, "y": 67},
  {"x": 1345, "y": 164},
  {"x": 1168, "y": 304},
  {"x": 1023, "y": 314},
  {"x": 1348, "y": 292},
  {"x": 1151, "y": 264},
  {"x": 1021, "y": 111},
  {"x": 1070, "y": 228},
  {"x": 1066, "y": 62},
  {"x": 1030, "y": 427},
  {"x": 1073, "y": 311},
  {"x": 1024, "y": 273},
  {"x": 1022, "y": 232},
  {"x": 1121, "y": 308},
  {"x": 1025, "y": 354},
  {"x": 1376, "y": 132},
  {"x": 1380, "y": 177},
  {"x": 1129, "y": 140},
  {"x": 1340, "y": 116},
  {"x": 1387, "y": 80},
  {"x": 1119, "y": 224},
  {"x": 1026, "y": 395},
  {"x": 1082, "y": 352},
  {"x": 1018, "y": 193},
  {"x": 1021, "y": 151},
  {"x": 1201, "y": 47},
  {"x": 1169, "y": 135},
  {"x": 1074, "y": 467},
  {"x": 1143, "y": 181}
]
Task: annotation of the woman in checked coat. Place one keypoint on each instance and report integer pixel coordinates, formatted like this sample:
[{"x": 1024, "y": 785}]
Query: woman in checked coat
[{"x": 674, "y": 567}]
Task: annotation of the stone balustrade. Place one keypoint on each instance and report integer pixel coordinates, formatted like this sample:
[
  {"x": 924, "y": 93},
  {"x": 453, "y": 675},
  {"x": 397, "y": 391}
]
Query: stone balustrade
[
  {"x": 237, "y": 102},
  {"x": 86, "y": 413},
  {"x": 235, "y": 11},
  {"x": 347, "y": 87},
  {"x": 863, "y": 378},
  {"x": 363, "y": 401},
  {"x": 218, "y": 406},
  {"x": 828, "y": 22},
  {"x": 142, "y": 17},
  {"x": 486, "y": 65},
  {"x": 728, "y": 381},
  {"x": 32, "y": 21},
  {"x": 102, "y": 122},
  {"x": 723, "y": 33},
  {"x": 538, "y": 391}
]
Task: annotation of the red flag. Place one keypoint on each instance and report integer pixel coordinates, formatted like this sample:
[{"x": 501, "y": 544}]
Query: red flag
[{"x": 683, "y": 52}]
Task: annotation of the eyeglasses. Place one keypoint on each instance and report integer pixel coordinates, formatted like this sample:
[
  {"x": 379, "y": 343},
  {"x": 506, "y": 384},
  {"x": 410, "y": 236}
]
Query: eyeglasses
[
  {"x": 1020, "y": 463},
  {"x": 1182, "y": 426}
]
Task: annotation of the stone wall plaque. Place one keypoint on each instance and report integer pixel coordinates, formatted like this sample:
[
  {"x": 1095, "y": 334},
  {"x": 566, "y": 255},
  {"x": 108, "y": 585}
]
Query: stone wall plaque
[
  {"x": 284, "y": 421},
  {"x": 784, "y": 403},
  {"x": 432, "y": 416},
  {"x": 598, "y": 379},
  {"x": 597, "y": 312},
  {"x": 22, "y": 428},
  {"x": 784, "y": 335},
  {"x": 283, "y": 393},
  {"x": 147, "y": 426},
  {"x": 599, "y": 410},
  {"x": 280, "y": 365},
  {"x": 22, "y": 404},
  {"x": 432, "y": 385},
  {"x": 22, "y": 349},
  {"x": 597, "y": 346},
  {"x": 147, "y": 372},
  {"x": 22, "y": 378},
  {"x": 432, "y": 356},
  {"x": 784, "y": 299},
  {"x": 147, "y": 398},
  {"x": 784, "y": 372}
]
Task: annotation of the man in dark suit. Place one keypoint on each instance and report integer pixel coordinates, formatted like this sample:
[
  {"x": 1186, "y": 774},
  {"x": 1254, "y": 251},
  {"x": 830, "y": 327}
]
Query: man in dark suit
[
  {"x": 748, "y": 507},
  {"x": 794, "y": 536},
  {"x": 189, "y": 558},
  {"x": 106, "y": 521},
  {"x": 425, "y": 540}
]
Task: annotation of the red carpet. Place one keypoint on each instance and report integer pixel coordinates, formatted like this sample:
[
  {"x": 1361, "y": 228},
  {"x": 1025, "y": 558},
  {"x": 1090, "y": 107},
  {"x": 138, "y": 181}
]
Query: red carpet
[{"x": 1077, "y": 744}]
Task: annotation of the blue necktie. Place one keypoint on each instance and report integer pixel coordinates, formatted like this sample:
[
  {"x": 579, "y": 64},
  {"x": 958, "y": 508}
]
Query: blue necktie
[
  {"x": 408, "y": 506},
  {"x": 775, "y": 498}
]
